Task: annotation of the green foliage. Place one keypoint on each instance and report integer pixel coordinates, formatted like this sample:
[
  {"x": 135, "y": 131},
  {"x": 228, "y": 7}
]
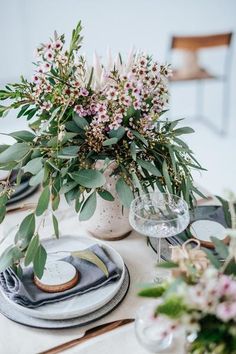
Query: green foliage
[
  {"x": 92, "y": 258},
  {"x": 55, "y": 226},
  {"x": 26, "y": 231},
  {"x": 81, "y": 122},
  {"x": 39, "y": 261},
  {"x": 153, "y": 292},
  {"x": 106, "y": 195},
  {"x": 68, "y": 152},
  {"x": 88, "y": 207},
  {"x": 220, "y": 247},
  {"x": 43, "y": 201},
  {"x": 9, "y": 256},
  {"x": 149, "y": 167},
  {"x": 34, "y": 166},
  {"x": 124, "y": 192},
  {"x": 14, "y": 153},
  {"x": 32, "y": 250},
  {"x": 227, "y": 214},
  {"x": 89, "y": 178},
  {"x": 23, "y": 136},
  {"x": 110, "y": 141},
  {"x": 173, "y": 307},
  {"x": 3, "y": 201}
]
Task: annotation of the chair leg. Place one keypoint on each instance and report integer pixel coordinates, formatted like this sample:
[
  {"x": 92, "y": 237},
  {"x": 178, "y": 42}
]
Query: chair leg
[{"x": 225, "y": 109}]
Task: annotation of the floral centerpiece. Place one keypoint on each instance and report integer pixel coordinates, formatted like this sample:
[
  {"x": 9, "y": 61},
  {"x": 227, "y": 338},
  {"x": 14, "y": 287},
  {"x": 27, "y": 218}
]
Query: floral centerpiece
[
  {"x": 200, "y": 298},
  {"x": 79, "y": 115}
]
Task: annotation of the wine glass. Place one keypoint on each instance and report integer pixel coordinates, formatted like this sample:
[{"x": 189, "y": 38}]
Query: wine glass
[
  {"x": 152, "y": 332},
  {"x": 159, "y": 215}
]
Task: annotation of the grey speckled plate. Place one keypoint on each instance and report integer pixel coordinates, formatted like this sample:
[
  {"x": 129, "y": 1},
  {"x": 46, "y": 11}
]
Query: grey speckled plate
[{"x": 13, "y": 314}]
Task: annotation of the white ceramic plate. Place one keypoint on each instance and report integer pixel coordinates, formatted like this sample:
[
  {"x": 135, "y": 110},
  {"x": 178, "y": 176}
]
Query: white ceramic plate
[
  {"x": 82, "y": 304},
  {"x": 204, "y": 229}
]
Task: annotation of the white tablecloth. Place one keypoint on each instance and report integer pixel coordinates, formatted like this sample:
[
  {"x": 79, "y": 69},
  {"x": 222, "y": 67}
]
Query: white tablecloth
[{"x": 140, "y": 259}]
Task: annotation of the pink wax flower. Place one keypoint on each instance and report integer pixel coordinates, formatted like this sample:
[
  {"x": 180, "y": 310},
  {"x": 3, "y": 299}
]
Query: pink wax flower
[
  {"x": 49, "y": 55},
  {"x": 84, "y": 92},
  {"x": 227, "y": 286},
  {"x": 57, "y": 44},
  {"x": 226, "y": 311}
]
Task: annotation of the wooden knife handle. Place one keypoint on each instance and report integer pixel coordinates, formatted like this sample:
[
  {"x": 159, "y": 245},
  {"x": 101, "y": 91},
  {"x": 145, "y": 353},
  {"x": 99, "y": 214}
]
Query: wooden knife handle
[{"x": 91, "y": 333}]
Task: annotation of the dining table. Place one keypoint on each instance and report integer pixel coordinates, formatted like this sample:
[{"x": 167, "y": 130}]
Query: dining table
[{"x": 140, "y": 260}]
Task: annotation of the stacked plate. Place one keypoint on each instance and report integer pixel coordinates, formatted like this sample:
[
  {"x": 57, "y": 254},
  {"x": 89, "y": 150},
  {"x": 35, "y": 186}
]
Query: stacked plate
[
  {"x": 22, "y": 191},
  {"x": 78, "y": 310}
]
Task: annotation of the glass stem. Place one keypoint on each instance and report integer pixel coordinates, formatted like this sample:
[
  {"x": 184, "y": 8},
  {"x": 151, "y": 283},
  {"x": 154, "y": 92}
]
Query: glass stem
[{"x": 158, "y": 250}]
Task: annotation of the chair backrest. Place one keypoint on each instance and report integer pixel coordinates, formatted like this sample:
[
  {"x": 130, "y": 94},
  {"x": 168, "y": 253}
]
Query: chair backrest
[{"x": 194, "y": 43}]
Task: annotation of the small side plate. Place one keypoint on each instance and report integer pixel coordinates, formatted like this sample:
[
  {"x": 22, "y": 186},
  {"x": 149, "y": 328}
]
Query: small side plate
[{"x": 203, "y": 230}]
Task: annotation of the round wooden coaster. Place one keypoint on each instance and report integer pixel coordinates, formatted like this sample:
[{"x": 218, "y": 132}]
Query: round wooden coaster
[
  {"x": 58, "y": 276},
  {"x": 203, "y": 230}
]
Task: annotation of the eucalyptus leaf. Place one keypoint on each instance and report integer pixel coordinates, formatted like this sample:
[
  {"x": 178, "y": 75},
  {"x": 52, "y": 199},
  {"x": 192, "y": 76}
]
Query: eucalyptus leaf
[
  {"x": 37, "y": 179},
  {"x": 124, "y": 192},
  {"x": 225, "y": 205},
  {"x": 106, "y": 195},
  {"x": 110, "y": 141},
  {"x": 167, "y": 177},
  {"x": 213, "y": 259},
  {"x": 3, "y": 147},
  {"x": 147, "y": 165},
  {"x": 43, "y": 201},
  {"x": 55, "y": 201},
  {"x": 39, "y": 261},
  {"x": 68, "y": 186},
  {"x": 92, "y": 258},
  {"x": 71, "y": 195},
  {"x": 117, "y": 133},
  {"x": 68, "y": 152},
  {"x": 133, "y": 150},
  {"x": 26, "y": 230},
  {"x": 55, "y": 225},
  {"x": 153, "y": 292},
  {"x": 136, "y": 182},
  {"x": 183, "y": 130},
  {"x": 89, "y": 178},
  {"x": 140, "y": 137},
  {"x": 9, "y": 256},
  {"x": 88, "y": 208},
  {"x": 81, "y": 122},
  {"x": 31, "y": 250},
  {"x": 23, "y": 135},
  {"x": 15, "y": 152},
  {"x": 167, "y": 265},
  {"x": 220, "y": 247},
  {"x": 34, "y": 166},
  {"x": 78, "y": 202},
  {"x": 3, "y": 201}
]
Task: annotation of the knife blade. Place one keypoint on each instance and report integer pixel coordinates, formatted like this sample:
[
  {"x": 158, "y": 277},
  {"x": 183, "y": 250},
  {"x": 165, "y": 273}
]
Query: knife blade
[{"x": 89, "y": 334}]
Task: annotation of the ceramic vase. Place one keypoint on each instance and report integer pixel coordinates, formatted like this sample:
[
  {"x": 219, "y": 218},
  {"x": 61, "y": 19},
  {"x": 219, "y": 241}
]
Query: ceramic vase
[{"x": 110, "y": 221}]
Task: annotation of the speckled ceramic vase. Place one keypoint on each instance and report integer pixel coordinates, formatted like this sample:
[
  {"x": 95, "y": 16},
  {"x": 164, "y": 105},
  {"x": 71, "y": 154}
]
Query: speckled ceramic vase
[{"x": 109, "y": 222}]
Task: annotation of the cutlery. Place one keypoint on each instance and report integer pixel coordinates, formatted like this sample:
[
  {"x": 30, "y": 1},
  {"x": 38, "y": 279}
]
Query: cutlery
[
  {"x": 90, "y": 333},
  {"x": 22, "y": 207}
]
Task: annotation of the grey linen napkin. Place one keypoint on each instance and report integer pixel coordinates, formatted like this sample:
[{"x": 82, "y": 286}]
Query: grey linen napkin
[{"x": 24, "y": 292}]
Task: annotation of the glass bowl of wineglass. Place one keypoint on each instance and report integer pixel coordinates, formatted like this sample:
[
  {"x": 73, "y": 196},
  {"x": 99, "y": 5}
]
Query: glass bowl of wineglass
[{"x": 159, "y": 215}]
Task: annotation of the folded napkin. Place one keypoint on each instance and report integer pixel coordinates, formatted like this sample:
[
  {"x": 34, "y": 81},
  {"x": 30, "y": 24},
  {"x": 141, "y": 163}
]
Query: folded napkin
[{"x": 24, "y": 292}]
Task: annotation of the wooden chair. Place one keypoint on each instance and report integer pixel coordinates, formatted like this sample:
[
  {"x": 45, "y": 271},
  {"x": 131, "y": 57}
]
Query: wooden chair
[{"x": 192, "y": 71}]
